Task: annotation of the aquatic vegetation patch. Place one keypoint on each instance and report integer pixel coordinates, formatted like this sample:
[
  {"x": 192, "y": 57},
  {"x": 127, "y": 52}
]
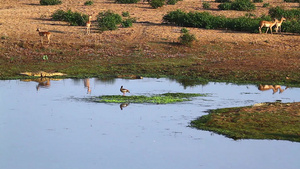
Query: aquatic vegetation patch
[
  {"x": 268, "y": 121},
  {"x": 154, "y": 99}
]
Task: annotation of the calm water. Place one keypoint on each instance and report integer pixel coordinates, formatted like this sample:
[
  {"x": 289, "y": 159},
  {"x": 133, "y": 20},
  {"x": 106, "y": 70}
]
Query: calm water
[{"x": 49, "y": 129}]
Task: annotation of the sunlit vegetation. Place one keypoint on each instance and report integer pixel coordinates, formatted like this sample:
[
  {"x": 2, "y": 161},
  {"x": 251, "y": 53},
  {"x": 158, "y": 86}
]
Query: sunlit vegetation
[
  {"x": 165, "y": 98},
  {"x": 74, "y": 18},
  {"x": 269, "y": 121},
  {"x": 245, "y": 23}
]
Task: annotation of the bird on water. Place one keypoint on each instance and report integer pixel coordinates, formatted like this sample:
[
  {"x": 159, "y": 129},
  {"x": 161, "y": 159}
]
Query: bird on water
[{"x": 124, "y": 91}]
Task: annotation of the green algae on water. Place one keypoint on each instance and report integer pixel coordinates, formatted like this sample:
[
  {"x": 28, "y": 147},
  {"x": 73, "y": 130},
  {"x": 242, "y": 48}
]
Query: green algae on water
[{"x": 165, "y": 98}]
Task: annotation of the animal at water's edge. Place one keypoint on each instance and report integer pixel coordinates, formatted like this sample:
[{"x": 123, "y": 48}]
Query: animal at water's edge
[
  {"x": 44, "y": 33},
  {"x": 124, "y": 91},
  {"x": 267, "y": 24}
]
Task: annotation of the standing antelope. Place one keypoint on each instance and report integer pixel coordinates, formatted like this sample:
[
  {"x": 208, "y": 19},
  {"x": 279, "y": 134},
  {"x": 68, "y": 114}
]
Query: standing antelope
[
  {"x": 42, "y": 34},
  {"x": 278, "y": 24},
  {"x": 88, "y": 25},
  {"x": 267, "y": 24}
]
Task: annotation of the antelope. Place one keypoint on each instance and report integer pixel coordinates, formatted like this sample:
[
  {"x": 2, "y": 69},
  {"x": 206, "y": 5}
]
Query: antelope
[
  {"x": 278, "y": 24},
  {"x": 124, "y": 90},
  {"x": 88, "y": 25},
  {"x": 267, "y": 24},
  {"x": 42, "y": 34},
  {"x": 268, "y": 87}
]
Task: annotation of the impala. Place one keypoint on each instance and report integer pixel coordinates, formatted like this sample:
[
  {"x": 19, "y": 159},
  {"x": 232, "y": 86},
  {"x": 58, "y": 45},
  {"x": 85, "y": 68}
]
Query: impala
[
  {"x": 88, "y": 25},
  {"x": 267, "y": 24},
  {"x": 42, "y": 34},
  {"x": 278, "y": 24}
]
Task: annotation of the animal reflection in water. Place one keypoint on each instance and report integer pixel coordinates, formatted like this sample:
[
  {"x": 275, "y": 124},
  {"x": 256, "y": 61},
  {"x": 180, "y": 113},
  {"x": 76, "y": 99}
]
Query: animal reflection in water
[
  {"x": 87, "y": 85},
  {"x": 123, "y": 105},
  {"x": 42, "y": 82},
  {"x": 275, "y": 88}
]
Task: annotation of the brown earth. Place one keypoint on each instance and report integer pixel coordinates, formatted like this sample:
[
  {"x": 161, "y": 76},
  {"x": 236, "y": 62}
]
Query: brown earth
[{"x": 217, "y": 50}]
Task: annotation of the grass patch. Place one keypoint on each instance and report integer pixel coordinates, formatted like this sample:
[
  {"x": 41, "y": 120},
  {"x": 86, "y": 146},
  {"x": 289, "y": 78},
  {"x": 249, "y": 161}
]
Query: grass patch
[
  {"x": 165, "y": 98},
  {"x": 271, "y": 121}
]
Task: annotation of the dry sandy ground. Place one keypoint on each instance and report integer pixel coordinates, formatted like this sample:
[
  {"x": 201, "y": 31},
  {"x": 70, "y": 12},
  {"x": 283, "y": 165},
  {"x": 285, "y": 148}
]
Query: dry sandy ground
[{"x": 20, "y": 18}]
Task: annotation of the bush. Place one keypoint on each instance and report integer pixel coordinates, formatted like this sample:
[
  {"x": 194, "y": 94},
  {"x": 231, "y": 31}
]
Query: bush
[
  {"x": 108, "y": 20},
  {"x": 74, "y": 18},
  {"x": 157, "y": 3},
  {"x": 243, "y": 5},
  {"x": 88, "y": 3},
  {"x": 291, "y": 26},
  {"x": 172, "y": 2},
  {"x": 258, "y": 1},
  {"x": 187, "y": 39},
  {"x": 240, "y": 5},
  {"x": 222, "y": 1},
  {"x": 265, "y": 5},
  {"x": 206, "y": 5},
  {"x": 184, "y": 30},
  {"x": 225, "y": 6},
  {"x": 127, "y": 1},
  {"x": 125, "y": 14},
  {"x": 50, "y": 2},
  {"x": 208, "y": 21},
  {"x": 293, "y": 1},
  {"x": 127, "y": 22},
  {"x": 278, "y": 12}
]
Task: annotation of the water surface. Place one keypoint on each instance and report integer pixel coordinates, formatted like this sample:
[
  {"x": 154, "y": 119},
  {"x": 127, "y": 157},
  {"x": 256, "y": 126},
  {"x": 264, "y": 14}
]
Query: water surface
[{"x": 43, "y": 126}]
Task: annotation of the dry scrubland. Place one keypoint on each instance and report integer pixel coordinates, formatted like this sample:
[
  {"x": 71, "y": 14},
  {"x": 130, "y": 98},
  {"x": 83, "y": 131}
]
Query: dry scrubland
[{"x": 224, "y": 50}]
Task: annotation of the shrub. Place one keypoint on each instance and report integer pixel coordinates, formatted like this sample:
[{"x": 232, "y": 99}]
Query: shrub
[
  {"x": 184, "y": 30},
  {"x": 208, "y": 21},
  {"x": 240, "y": 5},
  {"x": 222, "y": 1},
  {"x": 206, "y": 5},
  {"x": 258, "y": 1},
  {"x": 291, "y": 26},
  {"x": 74, "y": 18},
  {"x": 265, "y": 5},
  {"x": 172, "y": 2},
  {"x": 50, "y": 2},
  {"x": 293, "y": 1},
  {"x": 127, "y": 22},
  {"x": 157, "y": 3},
  {"x": 225, "y": 6},
  {"x": 243, "y": 5},
  {"x": 278, "y": 12},
  {"x": 127, "y": 1},
  {"x": 125, "y": 14},
  {"x": 187, "y": 39},
  {"x": 108, "y": 20},
  {"x": 89, "y": 3}
]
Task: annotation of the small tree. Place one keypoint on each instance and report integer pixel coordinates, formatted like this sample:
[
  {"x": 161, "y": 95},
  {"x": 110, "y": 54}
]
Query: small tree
[
  {"x": 108, "y": 20},
  {"x": 187, "y": 39}
]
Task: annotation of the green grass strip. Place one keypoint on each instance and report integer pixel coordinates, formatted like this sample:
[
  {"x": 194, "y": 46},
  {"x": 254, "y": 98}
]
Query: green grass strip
[{"x": 165, "y": 98}]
